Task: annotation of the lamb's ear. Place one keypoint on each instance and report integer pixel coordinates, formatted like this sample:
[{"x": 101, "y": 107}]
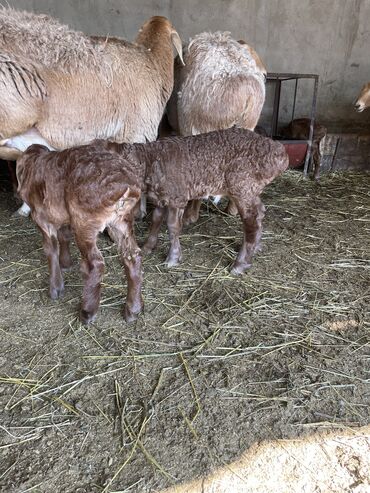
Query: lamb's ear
[{"x": 177, "y": 43}]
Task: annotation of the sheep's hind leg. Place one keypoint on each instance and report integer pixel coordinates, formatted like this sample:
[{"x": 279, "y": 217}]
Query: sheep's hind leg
[
  {"x": 64, "y": 237},
  {"x": 174, "y": 223},
  {"x": 251, "y": 215},
  {"x": 130, "y": 255},
  {"x": 51, "y": 249},
  {"x": 92, "y": 269},
  {"x": 159, "y": 214}
]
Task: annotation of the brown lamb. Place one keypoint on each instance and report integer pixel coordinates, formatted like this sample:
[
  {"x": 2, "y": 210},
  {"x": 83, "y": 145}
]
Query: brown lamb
[
  {"x": 235, "y": 162},
  {"x": 85, "y": 189}
]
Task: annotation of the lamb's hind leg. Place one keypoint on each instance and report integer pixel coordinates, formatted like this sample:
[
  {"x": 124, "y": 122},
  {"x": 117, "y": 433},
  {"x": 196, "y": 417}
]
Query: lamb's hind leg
[
  {"x": 130, "y": 255},
  {"x": 92, "y": 269},
  {"x": 159, "y": 214},
  {"x": 51, "y": 249},
  {"x": 251, "y": 214},
  {"x": 64, "y": 237},
  {"x": 174, "y": 223}
]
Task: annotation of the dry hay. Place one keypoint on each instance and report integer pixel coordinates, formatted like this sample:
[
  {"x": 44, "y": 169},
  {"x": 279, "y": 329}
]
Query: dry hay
[{"x": 216, "y": 363}]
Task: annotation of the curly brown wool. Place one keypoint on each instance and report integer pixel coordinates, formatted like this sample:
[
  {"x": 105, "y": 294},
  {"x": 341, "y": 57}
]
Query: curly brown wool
[
  {"x": 235, "y": 162},
  {"x": 85, "y": 189}
]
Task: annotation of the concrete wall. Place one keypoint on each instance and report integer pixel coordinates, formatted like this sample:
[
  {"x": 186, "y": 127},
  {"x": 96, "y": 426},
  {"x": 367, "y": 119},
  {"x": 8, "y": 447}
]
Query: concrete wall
[{"x": 328, "y": 37}]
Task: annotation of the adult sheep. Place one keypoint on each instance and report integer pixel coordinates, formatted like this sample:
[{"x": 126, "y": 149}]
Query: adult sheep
[
  {"x": 221, "y": 84},
  {"x": 363, "y": 100},
  {"x": 61, "y": 88}
]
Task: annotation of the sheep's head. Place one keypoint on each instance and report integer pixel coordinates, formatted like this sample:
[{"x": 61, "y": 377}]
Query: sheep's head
[
  {"x": 153, "y": 31},
  {"x": 363, "y": 101}
]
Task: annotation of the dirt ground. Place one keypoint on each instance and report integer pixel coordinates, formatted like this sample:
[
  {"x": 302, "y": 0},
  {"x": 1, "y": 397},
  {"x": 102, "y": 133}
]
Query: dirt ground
[{"x": 215, "y": 365}]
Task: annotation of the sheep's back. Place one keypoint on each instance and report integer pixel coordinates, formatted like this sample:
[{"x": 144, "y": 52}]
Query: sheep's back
[
  {"x": 45, "y": 40},
  {"x": 98, "y": 178},
  {"x": 217, "y": 84},
  {"x": 185, "y": 168}
]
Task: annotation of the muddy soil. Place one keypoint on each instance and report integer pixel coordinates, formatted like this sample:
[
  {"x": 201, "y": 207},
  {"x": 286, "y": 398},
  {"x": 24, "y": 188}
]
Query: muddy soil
[{"x": 214, "y": 365}]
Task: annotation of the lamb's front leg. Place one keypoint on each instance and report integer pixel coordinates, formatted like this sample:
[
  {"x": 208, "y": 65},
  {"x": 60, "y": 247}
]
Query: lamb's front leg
[
  {"x": 174, "y": 223},
  {"x": 132, "y": 264},
  {"x": 251, "y": 215},
  {"x": 159, "y": 214}
]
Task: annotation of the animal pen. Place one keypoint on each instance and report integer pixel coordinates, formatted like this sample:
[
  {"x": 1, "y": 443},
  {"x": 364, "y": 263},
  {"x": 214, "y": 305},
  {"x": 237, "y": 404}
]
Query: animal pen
[{"x": 257, "y": 383}]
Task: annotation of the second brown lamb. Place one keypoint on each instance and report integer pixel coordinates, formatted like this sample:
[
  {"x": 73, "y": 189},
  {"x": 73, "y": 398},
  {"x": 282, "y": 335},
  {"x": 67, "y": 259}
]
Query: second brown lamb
[{"x": 236, "y": 163}]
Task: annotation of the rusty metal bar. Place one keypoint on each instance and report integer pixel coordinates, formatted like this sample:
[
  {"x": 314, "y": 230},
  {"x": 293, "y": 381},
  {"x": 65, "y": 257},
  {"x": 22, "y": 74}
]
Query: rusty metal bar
[
  {"x": 275, "y": 113},
  {"x": 295, "y": 98},
  {"x": 312, "y": 124},
  {"x": 274, "y": 76}
]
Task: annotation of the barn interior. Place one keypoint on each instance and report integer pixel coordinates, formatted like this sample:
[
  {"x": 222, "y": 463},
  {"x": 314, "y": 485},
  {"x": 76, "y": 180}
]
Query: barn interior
[{"x": 257, "y": 383}]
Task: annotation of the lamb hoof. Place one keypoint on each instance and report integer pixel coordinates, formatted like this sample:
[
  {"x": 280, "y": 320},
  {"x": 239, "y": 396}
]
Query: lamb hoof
[
  {"x": 189, "y": 220},
  {"x": 130, "y": 316},
  {"x": 56, "y": 293},
  {"x": 239, "y": 268},
  {"x": 172, "y": 261},
  {"x": 87, "y": 317}
]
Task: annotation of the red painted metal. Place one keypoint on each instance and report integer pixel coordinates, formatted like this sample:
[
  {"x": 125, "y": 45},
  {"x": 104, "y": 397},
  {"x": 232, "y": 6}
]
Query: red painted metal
[{"x": 296, "y": 152}]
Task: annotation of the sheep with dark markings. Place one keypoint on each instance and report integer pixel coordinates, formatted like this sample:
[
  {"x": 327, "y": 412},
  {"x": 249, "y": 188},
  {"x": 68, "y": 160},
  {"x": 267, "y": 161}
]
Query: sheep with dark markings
[{"x": 61, "y": 88}]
